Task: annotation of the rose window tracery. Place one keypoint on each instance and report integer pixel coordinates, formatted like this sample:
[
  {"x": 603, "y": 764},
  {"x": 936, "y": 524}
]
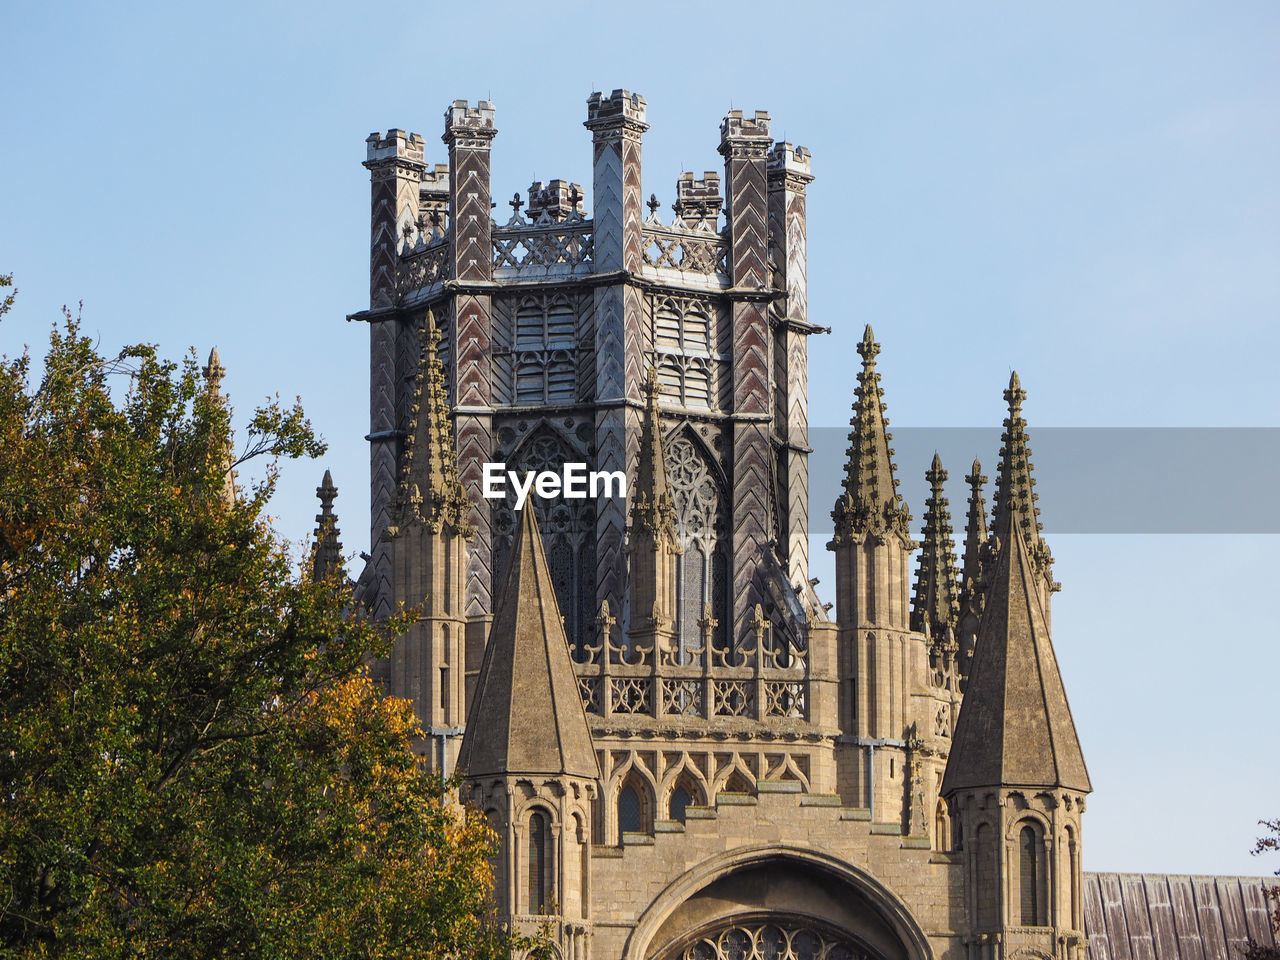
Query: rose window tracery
[{"x": 772, "y": 940}]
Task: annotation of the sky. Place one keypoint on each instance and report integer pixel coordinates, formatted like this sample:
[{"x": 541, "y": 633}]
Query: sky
[{"x": 1085, "y": 193}]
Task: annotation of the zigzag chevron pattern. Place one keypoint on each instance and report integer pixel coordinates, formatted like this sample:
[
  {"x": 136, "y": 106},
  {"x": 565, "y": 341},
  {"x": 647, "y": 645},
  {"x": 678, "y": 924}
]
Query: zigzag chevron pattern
[
  {"x": 750, "y": 231},
  {"x": 632, "y": 198},
  {"x": 611, "y": 446},
  {"x": 607, "y": 217},
  {"x": 752, "y": 488},
  {"x": 472, "y": 220},
  {"x": 473, "y": 349},
  {"x": 475, "y": 443}
]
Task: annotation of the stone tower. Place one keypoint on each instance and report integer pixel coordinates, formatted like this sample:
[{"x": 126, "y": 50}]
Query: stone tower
[
  {"x": 530, "y": 763},
  {"x": 685, "y": 758}
]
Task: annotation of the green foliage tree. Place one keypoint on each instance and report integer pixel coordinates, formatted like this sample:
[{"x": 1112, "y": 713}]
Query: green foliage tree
[
  {"x": 193, "y": 761},
  {"x": 1268, "y": 843}
]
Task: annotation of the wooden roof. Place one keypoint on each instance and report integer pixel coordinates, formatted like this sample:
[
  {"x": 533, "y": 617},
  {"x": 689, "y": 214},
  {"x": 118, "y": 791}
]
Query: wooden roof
[{"x": 1148, "y": 916}]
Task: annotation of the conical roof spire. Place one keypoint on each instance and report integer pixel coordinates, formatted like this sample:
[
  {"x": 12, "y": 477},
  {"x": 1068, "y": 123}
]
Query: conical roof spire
[
  {"x": 1015, "y": 503},
  {"x": 870, "y": 501},
  {"x": 935, "y": 605},
  {"x": 1015, "y": 727},
  {"x": 327, "y": 558},
  {"x": 652, "y": 508},
  {"x": 975, "y": 529},
  {"x": 430, "y": 491},
  {"x": 527, "y": 715}
]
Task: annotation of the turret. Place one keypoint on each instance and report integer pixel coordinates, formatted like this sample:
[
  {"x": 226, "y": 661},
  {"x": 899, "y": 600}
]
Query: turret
[
  {"x": 428, "y": 545},
  {"x": 617, "y": 125},
  {"x": 880, "y": 661},
  {"x": 787, "y": 170},
  {"x": 469, "y": 133},
  {"x": 527, "y": 757},
  {"x": 1016, "y": 780},
  {"x": 744, "y": 144}
]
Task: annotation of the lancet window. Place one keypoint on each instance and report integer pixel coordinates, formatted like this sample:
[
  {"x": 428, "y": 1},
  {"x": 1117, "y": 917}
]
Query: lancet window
[
  {"x": 568, "y": 535},
  {"x": 702, "y": 567},
  {"x": 1031, "y": 877},
  {"x": 539, "y": 862}
]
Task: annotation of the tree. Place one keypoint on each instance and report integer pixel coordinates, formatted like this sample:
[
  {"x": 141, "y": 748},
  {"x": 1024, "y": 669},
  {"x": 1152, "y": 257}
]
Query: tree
[
  {"x": 1268, "y": 844},
  {"x": 193, "y": 760}
]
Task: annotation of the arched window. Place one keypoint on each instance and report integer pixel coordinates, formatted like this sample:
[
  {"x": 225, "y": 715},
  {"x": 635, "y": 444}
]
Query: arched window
[
  {"x": 942, "y": 828},
  {"x": 1030, "y": 875},
  {"x": 630, "y": 817},
  {"x": 539, "y": 862},
  {"x": 678, "y": 804}
]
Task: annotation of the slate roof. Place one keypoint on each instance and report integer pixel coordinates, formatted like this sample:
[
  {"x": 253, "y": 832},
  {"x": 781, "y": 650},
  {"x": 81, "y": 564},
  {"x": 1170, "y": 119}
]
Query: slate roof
[
  {"x": 1015, "y": 727},
  {"x": 527, "y": 716}
]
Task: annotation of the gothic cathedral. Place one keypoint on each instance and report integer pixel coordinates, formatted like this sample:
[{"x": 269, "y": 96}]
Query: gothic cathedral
[{"x": 686, "y": 753}]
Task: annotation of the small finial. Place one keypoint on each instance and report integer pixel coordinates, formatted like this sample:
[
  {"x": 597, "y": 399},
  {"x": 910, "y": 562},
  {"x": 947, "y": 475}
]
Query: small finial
[
  {"x": 651, "y": 382},
  {"x": 214, "y": 371},
  {"x": 653, "y": 204},
  {"x": 868, "y": 348},
  {"x": 1015, "y": 394},
  {"x": 515, "y": 203},
  {"x": 937, "y": 462},
  {"x": 574, "y": 196},
  {"x": 327, "y": 492}
]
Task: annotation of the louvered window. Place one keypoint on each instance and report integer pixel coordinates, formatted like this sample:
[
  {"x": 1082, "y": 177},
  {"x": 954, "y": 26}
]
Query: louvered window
[{"x": 545, "y": 350}]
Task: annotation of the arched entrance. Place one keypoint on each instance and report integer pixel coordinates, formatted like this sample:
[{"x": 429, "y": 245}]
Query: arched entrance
[{"x": 776, "y": 903}]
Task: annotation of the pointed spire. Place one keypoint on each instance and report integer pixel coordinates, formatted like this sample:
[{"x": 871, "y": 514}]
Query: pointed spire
[
  {"x": 214, "y": 373},
  {"x": 527, "y": 715},
  {"x": 1015, "y": 727},
  {"x": 1015, "y": 502},
  {"x": 870, "y": 501},
  {"x": 975, "y": 528},
  {"x": 327, "y": 559},
  {"x": 430, "y": 491},
  {"x": 652, "y": 508},
  {"x": 935, "y": 605}
]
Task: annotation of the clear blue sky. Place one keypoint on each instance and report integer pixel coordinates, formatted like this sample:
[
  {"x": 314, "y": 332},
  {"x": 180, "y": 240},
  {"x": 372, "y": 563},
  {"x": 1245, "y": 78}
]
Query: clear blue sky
[{"x": 1085, "y": 192}]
